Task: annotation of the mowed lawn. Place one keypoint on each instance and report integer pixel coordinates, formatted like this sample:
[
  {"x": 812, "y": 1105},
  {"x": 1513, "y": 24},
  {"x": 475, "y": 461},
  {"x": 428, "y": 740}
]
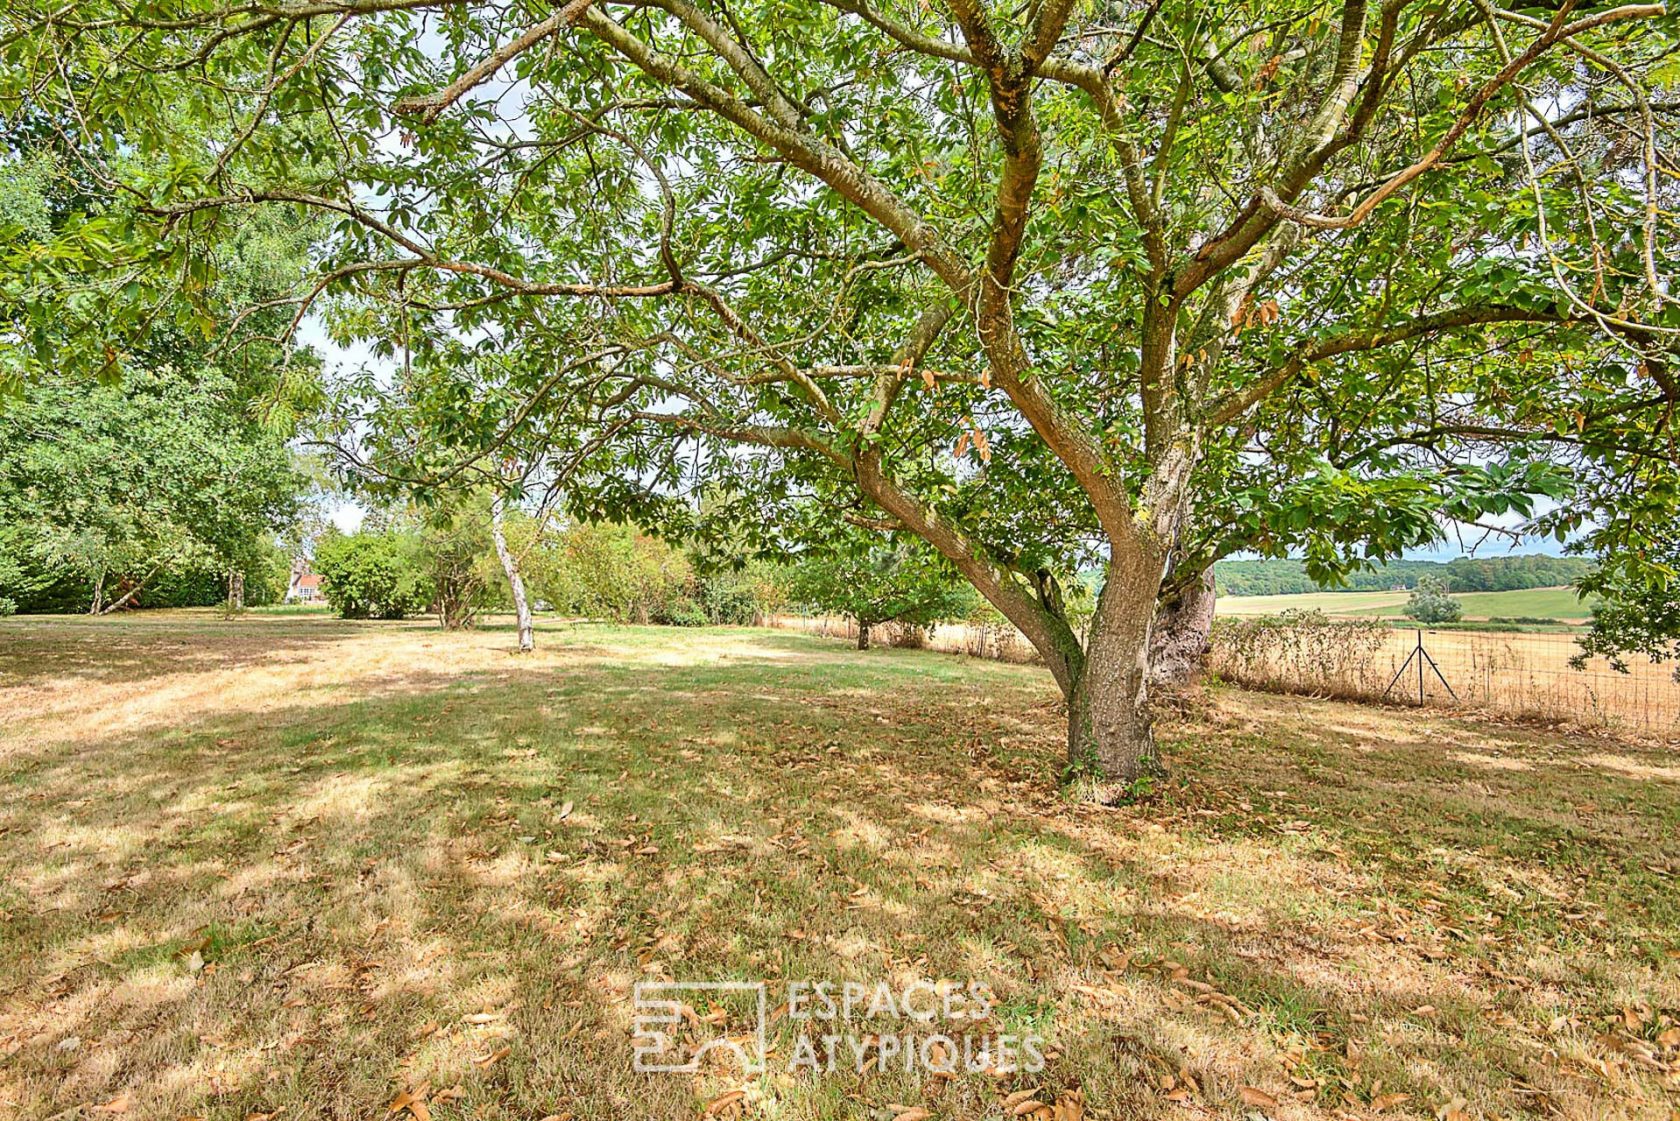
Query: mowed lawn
[
  {"x": 298, "y": 868},
  {"x": 1530, "y": 603}
]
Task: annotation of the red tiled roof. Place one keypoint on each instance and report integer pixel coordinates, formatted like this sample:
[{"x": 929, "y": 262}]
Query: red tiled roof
[{"x": 309, "y": 580}]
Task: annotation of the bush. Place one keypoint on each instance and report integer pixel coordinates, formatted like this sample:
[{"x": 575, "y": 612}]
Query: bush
[
  {"x": 8, "y": 606},
  {"x": 729, "y": 598},
  {"x": 373, "y": 575},
  {"x": 1430, "y": 602},
  {"x": 612, "y": 570},
  {"x": 1301, "y": 652},
  {"x": 460, "y": 564},
  {"x": 681, "y": 611},
  {"x": 873, "y": 580}
]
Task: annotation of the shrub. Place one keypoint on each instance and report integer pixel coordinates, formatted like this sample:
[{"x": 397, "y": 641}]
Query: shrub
[
  {"x": 872, "y": 580},
  {"x": 1430, "y": 602},
  {"x": 8, "y": 606},
  {"x": 729, "y": 598},
  {"x": 459, "y": 563},
  {"x": 612, "y": 570},
  {"x": 1301, "y": 652},
  {"x": 681, "y": 611},
  {"x": 373, "y": 575}
]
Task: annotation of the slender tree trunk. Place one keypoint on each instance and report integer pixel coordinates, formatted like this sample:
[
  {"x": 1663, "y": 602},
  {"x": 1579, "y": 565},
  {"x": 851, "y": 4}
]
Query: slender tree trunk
[
  {"x": 1183, "y": 623},
  {"x": 98, "y": 595},
  {"x": 521, "y": 606},
  {"x": 863, "y": 635},
  {"x": 1110, "y": 731},
  {"x": 119, "y": 604},
  {"x": 236, "y": 590}
]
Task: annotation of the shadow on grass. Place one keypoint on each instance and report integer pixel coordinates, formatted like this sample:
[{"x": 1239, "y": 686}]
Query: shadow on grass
[
  {"x": 149, "y": 644},
  {"x": 305, "y": 912}
]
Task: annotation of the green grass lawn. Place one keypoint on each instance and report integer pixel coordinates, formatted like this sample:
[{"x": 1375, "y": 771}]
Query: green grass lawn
[
  {"x": 1544, "y": 603},
  {"x": 294, "y": 868}
]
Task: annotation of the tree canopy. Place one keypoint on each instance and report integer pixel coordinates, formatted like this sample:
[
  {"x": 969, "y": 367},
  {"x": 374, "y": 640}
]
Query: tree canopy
[
  {"x": 109, "y": 490},
  {"x": 871, "y": 581},
  {"x": 1131, "y": 285},
  {"x": 1463, "y": 574}
]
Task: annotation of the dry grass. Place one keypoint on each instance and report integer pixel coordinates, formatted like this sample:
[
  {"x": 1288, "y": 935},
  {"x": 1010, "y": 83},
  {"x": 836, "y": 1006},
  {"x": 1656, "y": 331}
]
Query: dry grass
[
  {"x": 293, "y": 867},
  {"x": 1520, "y": 675}
]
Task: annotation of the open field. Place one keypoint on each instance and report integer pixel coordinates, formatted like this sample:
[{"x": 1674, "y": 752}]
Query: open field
[
  {"x": 1331, "y": 603},
  {"x": 1503, "y": 674},
  {"x": 1545, "y": 603},
  {"x": 292, "y": 867}
]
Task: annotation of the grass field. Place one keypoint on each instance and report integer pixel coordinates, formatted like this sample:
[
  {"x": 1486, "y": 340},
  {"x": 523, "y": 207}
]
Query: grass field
[
  {"x": 1544, "y": 603},
  {"x": 290, "y": 867}
]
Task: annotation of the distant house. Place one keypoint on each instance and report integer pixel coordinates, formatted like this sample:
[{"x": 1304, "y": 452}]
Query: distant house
[{"x": 304, "y": 586}]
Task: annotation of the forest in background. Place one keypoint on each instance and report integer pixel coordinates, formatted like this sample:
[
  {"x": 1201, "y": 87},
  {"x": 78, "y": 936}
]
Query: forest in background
[{"x": 1465, "y": 574}]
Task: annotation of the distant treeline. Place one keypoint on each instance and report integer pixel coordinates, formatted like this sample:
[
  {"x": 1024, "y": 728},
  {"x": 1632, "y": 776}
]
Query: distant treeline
[{"x": 1487, "y": 574}]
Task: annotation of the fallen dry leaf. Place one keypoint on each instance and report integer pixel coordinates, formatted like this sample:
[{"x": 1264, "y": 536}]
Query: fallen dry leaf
[
  {"x": 118, "y": 1104},
  {"x": 723, "y": 1101},
  {"x": 1258, "y": 1098},
  {"x": 1387, "y": 1101},
  {"x": 414, "y": 1103}
]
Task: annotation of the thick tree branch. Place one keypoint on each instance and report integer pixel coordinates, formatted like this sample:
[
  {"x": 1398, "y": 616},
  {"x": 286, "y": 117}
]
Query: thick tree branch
[
  {"x": 431, "y": 106},
  {"x": 1234, "y": 404}
]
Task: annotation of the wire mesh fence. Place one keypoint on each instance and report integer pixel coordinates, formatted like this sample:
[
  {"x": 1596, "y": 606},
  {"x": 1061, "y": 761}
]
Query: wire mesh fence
[
  {"x": 1525, "y": 675},
  {"x": 1513, "y": 674}
]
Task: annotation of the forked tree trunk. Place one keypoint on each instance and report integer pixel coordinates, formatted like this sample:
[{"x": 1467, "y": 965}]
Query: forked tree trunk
[
  {"x": 236, "y": 590},
  {"x": 521, "y": 605},
  {"x": 863, "y": 635},
  {"x": 1183, "y": 625},
  {"x": 1110, "y": 733}
]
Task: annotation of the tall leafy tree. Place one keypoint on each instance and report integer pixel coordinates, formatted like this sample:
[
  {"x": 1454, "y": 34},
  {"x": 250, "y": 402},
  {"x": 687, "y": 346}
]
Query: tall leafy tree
[
  {"x": 1131, "y": 285},
  {"x": 105, "y": 489},
  {"x": 873, "y": 582}
]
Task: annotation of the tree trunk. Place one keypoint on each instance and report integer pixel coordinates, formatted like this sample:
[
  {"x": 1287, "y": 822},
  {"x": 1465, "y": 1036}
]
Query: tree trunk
[
  {"x": 1183, "y": 622},
  {"x": 863, "y": 635},
  {"x": 236, "y": 590},
  {"x": 521, "y": 606},
  {"x": 1110, "y": 734}
]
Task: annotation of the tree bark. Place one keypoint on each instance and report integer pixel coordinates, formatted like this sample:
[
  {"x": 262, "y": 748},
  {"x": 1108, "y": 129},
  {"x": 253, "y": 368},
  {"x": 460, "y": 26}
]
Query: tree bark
[
  {"x": 1183, "y": 623},
  {"x": 521, "y": 605},
  {"x": 236, "y": 590},
  {"x": 1111, "y": 736},
  {"x": 863, "y": 635}
]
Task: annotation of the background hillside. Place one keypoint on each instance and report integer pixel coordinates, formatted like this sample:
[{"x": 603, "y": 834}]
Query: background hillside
[{"x": 1485, "y": 574}]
